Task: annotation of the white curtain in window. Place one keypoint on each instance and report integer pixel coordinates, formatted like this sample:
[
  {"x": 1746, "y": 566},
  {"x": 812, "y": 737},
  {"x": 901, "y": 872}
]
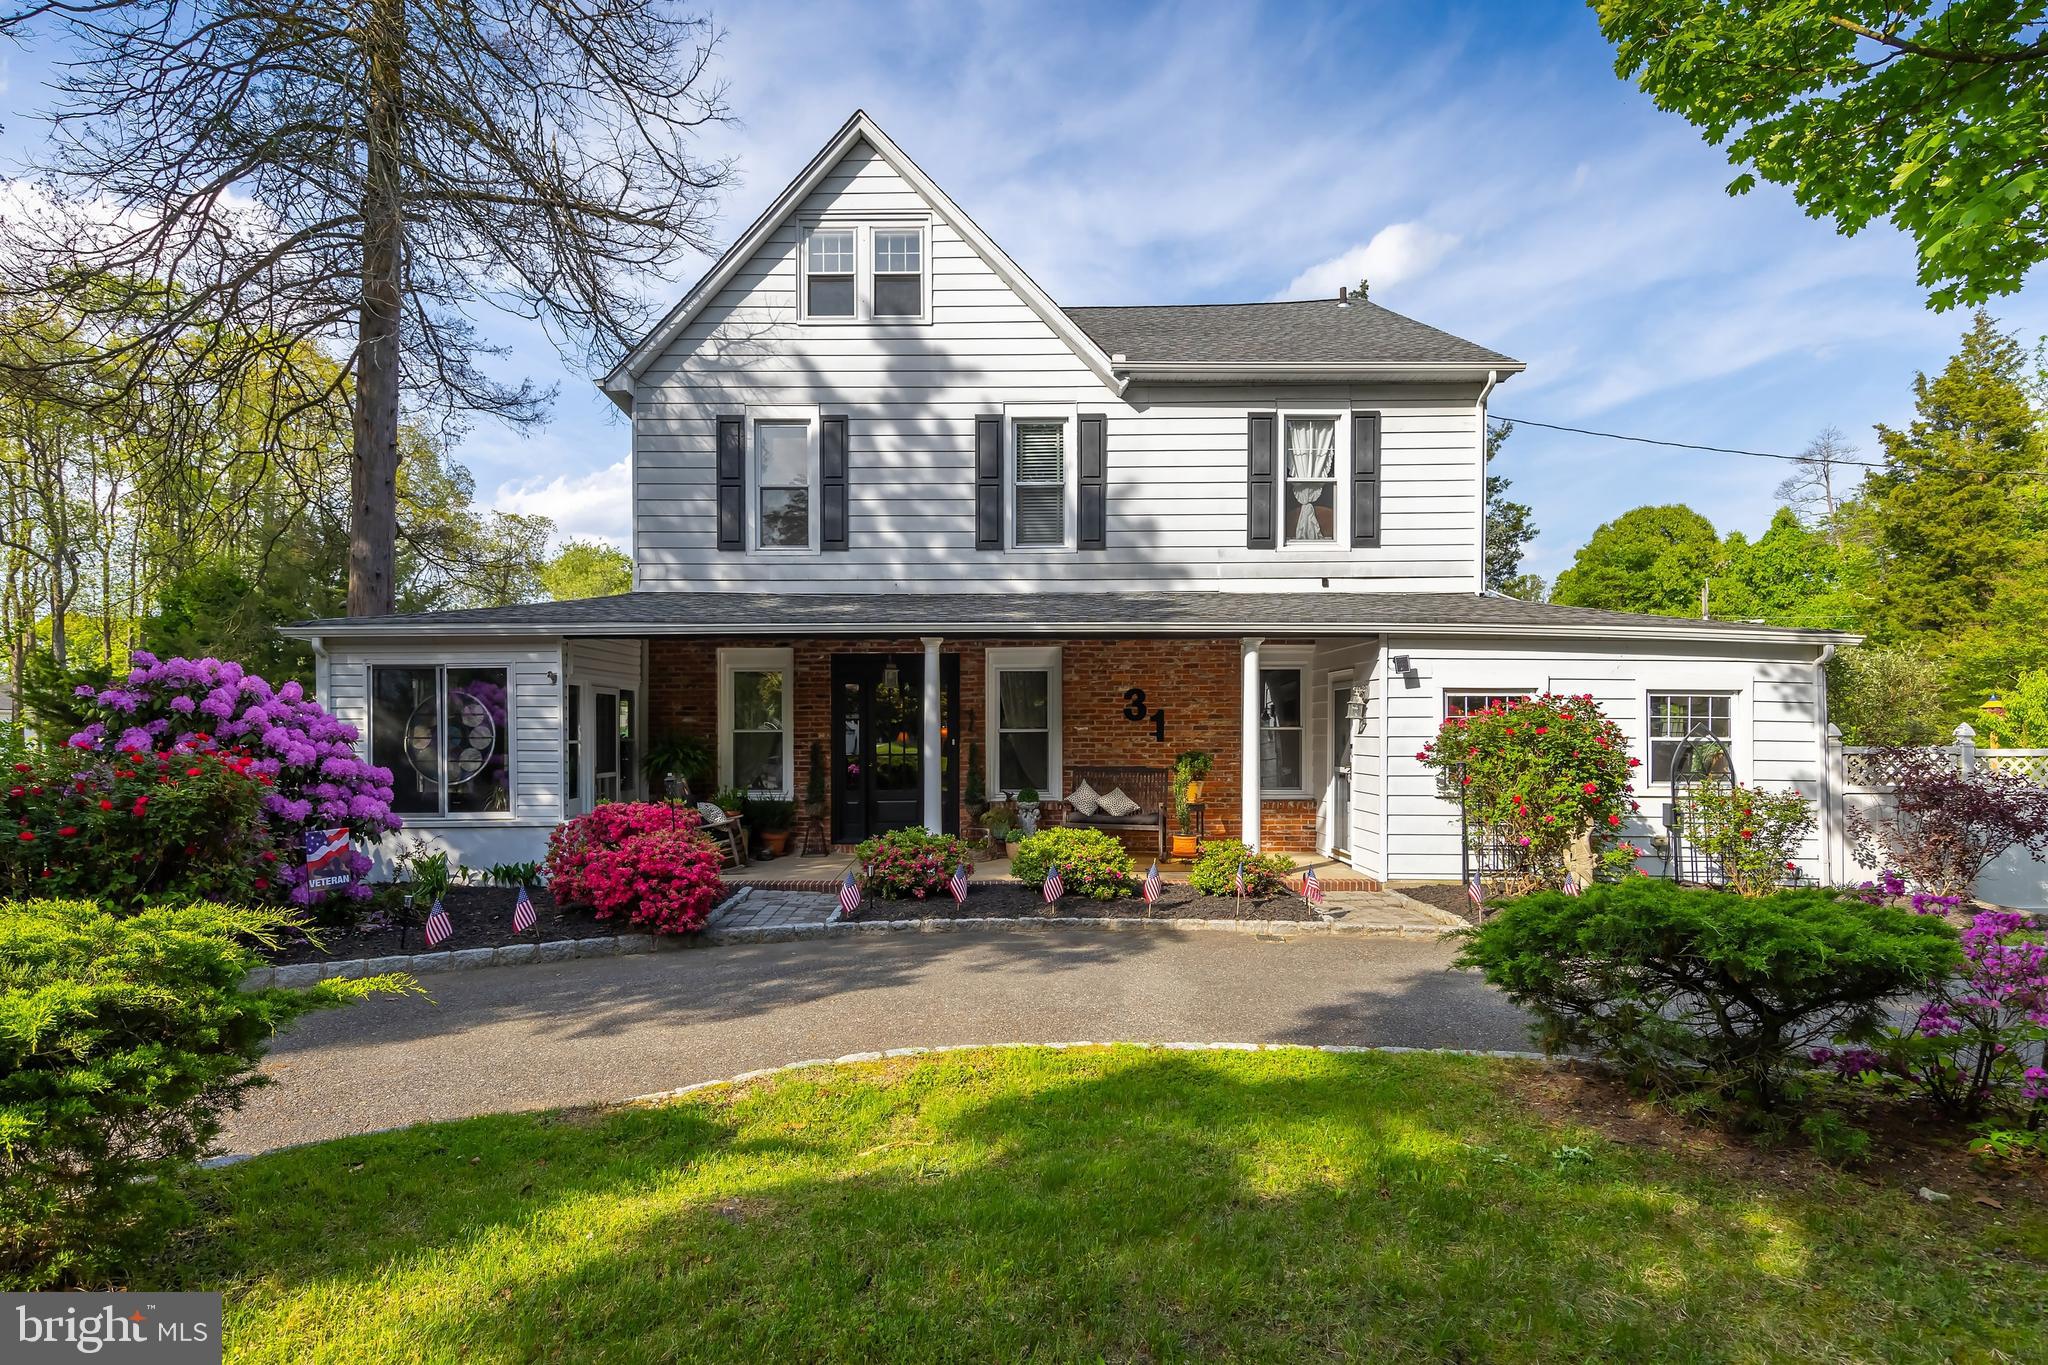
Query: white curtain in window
[{"x": 1312, "y": 457}]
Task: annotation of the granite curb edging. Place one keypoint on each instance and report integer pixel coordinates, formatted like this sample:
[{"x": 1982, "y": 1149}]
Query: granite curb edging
[{"x": 298, "y": 975}]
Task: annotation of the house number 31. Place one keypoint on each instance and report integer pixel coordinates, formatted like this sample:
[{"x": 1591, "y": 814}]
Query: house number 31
[{"x": 1135, "y": 711}]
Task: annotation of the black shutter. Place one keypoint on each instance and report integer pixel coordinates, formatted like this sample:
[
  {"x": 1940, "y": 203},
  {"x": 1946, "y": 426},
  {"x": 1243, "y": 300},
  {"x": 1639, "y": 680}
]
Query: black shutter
[
  {"x": 1260, "y": 518},
  {"x": 732, "y": 483},
  {"x": 1094, "y": 529},
  {"x": 1365, "y": 479},
  {"x": 988, "y": 482},
  {"x": 832, "y": 483}
]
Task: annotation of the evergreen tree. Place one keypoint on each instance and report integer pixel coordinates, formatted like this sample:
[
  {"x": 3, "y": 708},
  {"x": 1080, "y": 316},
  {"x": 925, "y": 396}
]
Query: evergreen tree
[{"x": 1510, "y": 525}]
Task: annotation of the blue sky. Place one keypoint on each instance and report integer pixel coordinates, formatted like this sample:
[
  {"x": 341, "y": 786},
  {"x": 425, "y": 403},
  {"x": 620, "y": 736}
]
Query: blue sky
[{"x": 1481, "y": 163}]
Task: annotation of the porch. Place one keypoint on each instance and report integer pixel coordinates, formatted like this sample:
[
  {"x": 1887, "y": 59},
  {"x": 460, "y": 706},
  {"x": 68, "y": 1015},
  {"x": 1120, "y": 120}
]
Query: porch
[{"x": 824, "y": 871}]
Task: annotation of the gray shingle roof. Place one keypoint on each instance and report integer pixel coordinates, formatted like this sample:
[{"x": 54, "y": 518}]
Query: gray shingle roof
[
  {"x": 1316, "y": 331},
  {"x": 992, "y": 613}
]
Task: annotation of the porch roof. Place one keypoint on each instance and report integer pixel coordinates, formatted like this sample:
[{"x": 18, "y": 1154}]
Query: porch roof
[{"x": 1184, "y": 613}]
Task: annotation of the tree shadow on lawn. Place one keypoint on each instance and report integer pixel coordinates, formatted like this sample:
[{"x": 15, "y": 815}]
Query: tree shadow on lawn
[{"x": 1113, "y": 1204}]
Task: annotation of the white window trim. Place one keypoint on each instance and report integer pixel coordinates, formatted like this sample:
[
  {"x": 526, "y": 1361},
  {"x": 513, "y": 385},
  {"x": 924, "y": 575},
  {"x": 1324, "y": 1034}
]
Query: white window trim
[
  {"x": 1036, "y": 659},
  {"x": 924, "y": 272},
  {"x": 803, "y": 273},
  {"x": 863, "y": 229},
  {"x": 789, "y": 414},
  {"x": 1295, "y": 659},
  {"x": 444, "y": 816},
  {"x": 1340, "y": 477},
  {"x": 757, "y": 660},
  {"x": 1738, "y": 726},
  {"x": 1069, "y": 415}
]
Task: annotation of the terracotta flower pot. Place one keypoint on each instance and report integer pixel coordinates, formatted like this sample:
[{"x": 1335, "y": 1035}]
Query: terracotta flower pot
[
  {"x": 776, "y": 842},
  {"x": 1185, "y": 846}
]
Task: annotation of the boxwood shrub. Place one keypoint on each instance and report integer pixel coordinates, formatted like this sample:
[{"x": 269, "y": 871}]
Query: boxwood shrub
[
  {"x": 122, "y": 1042},
  {"x": 1091, "y": 863},
  {"x": 1686, "y": 987}
]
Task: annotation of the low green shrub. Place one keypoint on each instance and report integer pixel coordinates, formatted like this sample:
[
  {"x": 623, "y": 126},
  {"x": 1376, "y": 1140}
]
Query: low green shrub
[
  {"x": 910, "y": 864},
  {"x": 1091, "y": 863},
  {"x": 1685, "y": 987},
  {"x": 1215, "y": 870},
  {"x": 122, "y": 1042},
  {"x": 1834, "y": 1139}
]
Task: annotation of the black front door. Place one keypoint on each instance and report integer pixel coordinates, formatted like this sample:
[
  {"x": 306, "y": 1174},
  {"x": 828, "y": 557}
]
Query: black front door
[{"x": 878, "y": 733}]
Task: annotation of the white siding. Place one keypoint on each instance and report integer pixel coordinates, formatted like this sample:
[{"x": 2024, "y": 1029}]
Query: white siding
[
  {"x": 1177, "y": 499},
  {"x": 536, "y": 740},
  {"x": 1359, "y": 659},
  {"x": 614, "y": 664},
  {"x": 1778, "y": 721}
]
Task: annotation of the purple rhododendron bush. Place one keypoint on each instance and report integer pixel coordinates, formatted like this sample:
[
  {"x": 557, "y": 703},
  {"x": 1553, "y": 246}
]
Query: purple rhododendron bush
[
  {"x": 644, "y": 860},
  {"x": 304, "y": 759}
]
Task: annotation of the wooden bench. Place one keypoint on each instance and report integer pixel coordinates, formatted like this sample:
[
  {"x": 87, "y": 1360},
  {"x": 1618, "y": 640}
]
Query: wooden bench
[{"x": 1148, "y": 787}]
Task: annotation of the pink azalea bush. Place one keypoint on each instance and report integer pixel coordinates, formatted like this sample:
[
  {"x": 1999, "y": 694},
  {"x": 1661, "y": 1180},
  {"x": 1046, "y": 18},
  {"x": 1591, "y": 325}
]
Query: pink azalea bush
[
  {"x": 304, "y": 757},
  {"x": 1980, "y": 1040},
  {"x": 910, "y": 864},
  {"x": 644, "y": 860}
]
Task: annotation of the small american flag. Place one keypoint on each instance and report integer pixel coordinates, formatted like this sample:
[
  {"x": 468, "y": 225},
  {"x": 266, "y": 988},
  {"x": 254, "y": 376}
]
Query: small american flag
[
  {"x": 849, "y": 895},
  {"x": 1311, "y": 887},
  {"x": 1571, "y": 884},
  {"x": 1053, "y": 885},
  {"x": 959, "y": 883},
  {"x": 522, "y": 912},
  {"x": 438, "y": 924},
  {"x": 1238, "y": 879},
  {"x": 1476, "y": 892},
  {"x": 1152, "y": 884}
]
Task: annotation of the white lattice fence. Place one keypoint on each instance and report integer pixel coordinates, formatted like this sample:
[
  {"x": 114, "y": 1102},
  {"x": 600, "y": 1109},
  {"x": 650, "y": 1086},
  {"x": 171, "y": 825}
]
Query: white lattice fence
[{"x": 2032, "y": 764}]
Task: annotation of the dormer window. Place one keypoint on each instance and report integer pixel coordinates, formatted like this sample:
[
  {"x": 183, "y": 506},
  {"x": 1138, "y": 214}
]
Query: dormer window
[
  {"x": 899, "y": 273},
  {"x": 829, "y": 273}
]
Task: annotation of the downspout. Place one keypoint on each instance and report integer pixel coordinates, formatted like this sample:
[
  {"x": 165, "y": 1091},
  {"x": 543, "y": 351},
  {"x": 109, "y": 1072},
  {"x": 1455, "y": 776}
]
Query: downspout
[
  {"x": 1492, "y": 378},
  {"x": 1829, "y": 813}
]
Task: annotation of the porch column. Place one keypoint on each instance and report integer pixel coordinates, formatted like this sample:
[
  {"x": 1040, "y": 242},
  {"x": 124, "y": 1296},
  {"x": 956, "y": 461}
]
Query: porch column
[
  {"x": 931, "y": 754},
  {"x": 1248, "y": 762}
]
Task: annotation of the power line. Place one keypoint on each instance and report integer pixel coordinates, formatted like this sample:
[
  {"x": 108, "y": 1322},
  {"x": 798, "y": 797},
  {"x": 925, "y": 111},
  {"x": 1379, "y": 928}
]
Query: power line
[{"x": 1771, "y": 455}]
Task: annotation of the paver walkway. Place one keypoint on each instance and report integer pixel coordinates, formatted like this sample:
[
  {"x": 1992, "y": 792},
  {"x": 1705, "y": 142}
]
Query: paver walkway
[
  {"x": 595, "y": 1029},
  {"x": 754, "y": 907},
  {"x": 757, "y": 907}
]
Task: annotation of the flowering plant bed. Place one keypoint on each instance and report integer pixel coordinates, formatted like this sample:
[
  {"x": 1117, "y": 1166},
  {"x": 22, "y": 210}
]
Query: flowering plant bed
[{"x": 1017, "y": 900}]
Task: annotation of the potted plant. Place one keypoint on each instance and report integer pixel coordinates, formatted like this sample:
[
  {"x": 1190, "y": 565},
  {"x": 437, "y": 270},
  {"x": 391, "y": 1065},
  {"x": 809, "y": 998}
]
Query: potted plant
[
  {"x": 1027, "y": 810},
  {"x": 1188, "y": 771},
  {"x": 1001, "y": 825},
  {"x": 731, "y": 800},
  {"x": 771, "y": 819},
  {"x": 686, "y": 759}
]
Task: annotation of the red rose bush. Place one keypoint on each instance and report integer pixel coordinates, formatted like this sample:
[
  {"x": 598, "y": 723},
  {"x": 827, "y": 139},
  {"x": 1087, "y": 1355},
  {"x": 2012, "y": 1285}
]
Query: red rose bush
[{"x": 643, "y": 860}]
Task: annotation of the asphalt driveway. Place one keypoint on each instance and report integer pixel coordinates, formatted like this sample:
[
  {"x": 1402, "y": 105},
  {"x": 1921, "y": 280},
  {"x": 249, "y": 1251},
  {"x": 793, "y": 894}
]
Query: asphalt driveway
[{"x": 596, "y": 1029}]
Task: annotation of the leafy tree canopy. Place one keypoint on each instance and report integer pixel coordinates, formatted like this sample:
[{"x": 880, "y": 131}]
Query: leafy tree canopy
[
  {"x": 1929, "y": 112},
  {"x": 1651, "y": 559},
  {"x": 587, "y": 568}
]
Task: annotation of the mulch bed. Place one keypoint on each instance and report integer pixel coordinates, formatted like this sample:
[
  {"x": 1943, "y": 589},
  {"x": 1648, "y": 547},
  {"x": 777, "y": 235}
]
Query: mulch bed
[
  {"x": 1014, "y": 900},
  {"x": 1443, "y": 897},
  {"x": 482, "y": 916}
]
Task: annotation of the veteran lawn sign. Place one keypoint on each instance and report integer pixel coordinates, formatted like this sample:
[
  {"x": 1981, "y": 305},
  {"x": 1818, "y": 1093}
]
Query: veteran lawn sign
[{"x": 327, "y": 859}]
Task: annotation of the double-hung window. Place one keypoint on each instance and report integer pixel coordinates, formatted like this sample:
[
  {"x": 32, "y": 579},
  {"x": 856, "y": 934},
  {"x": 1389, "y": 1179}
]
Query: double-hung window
[
  {"x": 1024, "y": 719},
  {"x": 445, "y": 733},
  {"x": 754, "y": 693},
  {"x": 785, "y": 455},
  {"x": 1308, "y": 513},
  {"x": 899, "y": 272},
  {"x": 1038, "y": 483},
  {"x": 1692, "y": 732},
  {"x": 1472, "y": 703},
  {"x": 1283, "y": 731},
  {"x": 830, "y": 259}
]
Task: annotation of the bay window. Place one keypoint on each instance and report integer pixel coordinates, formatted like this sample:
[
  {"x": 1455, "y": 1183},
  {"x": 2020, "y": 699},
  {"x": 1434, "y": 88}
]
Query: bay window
[{"x": 444, "y": 732}]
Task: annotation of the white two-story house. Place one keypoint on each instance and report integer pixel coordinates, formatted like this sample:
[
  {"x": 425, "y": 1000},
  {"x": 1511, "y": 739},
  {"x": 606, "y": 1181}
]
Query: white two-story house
[{"x": 900, "y": 516}]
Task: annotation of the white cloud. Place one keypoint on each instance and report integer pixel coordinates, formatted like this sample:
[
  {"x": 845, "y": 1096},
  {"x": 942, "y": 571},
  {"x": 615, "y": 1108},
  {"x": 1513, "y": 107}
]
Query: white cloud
[
  {"x": 593, "y": 506},
  {"x": 1397, "y": 252}
]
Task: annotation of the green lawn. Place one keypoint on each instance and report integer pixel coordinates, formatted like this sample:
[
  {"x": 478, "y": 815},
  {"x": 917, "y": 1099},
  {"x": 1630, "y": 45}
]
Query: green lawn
[{"x": 1116, "y": 1204}]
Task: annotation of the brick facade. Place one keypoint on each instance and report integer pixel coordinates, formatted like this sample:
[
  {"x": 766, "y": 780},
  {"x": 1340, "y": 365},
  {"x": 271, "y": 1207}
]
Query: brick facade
[{"x": 1196, "y": 682}]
